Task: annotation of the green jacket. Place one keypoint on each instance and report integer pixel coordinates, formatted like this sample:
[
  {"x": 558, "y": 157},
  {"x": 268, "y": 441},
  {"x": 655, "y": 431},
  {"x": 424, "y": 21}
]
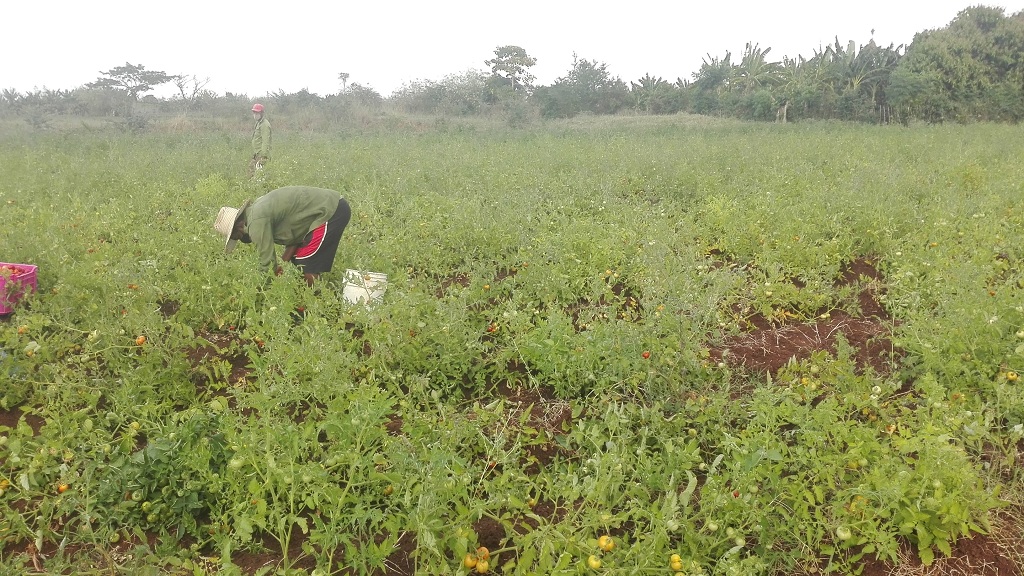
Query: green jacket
[
  {"x": 284, "y": 216},
  {"x": 261, "y": 139}
]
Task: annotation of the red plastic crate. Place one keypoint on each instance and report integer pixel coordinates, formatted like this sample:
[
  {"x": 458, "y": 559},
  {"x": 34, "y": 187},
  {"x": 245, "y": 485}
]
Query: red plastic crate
[{"x": 16, "y": 280}]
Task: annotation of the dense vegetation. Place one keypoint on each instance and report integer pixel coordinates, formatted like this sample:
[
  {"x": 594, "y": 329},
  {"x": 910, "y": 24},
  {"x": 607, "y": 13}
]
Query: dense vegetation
[{"x": 563, "y": 352}]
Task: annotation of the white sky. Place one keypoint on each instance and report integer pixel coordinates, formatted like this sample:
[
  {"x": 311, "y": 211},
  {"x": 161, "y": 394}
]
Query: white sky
[{"x": 259, "y": 47}]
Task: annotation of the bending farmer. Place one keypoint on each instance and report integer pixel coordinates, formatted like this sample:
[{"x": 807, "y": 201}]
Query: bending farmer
[{"x": 307, "y": 221}]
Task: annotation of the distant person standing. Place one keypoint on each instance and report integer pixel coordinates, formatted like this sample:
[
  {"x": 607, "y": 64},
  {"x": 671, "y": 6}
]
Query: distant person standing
[{"x": 260, "y": 140}]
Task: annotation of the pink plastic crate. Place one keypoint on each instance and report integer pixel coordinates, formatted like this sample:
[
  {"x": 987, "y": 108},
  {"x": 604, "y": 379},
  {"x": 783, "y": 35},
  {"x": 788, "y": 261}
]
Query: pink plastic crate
[{"x": 16, "y": 280}]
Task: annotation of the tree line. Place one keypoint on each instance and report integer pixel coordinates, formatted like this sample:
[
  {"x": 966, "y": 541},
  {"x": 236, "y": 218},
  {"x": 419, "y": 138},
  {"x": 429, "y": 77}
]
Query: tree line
[{"x": 971, "y": 70}]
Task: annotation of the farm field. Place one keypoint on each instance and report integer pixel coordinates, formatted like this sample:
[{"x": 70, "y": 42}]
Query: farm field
[{"x": 668, "y": 345}]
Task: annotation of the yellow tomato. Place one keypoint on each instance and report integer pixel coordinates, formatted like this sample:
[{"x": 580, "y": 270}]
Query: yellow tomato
[
  {"x": 606, "y": 543},
  {"x": 594, "y": 562}
]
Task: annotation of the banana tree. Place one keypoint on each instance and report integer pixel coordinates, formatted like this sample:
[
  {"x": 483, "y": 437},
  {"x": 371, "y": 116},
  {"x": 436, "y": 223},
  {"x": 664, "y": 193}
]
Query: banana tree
[
  {"x": 754, "y": 72},
  {"x": 714, "y": 74},
  {"x": 806, "y": 85},
  {"x": 710, "y": 82},
  {"x": 650, "y": 93},
  {"x": 866, "y": 71}
]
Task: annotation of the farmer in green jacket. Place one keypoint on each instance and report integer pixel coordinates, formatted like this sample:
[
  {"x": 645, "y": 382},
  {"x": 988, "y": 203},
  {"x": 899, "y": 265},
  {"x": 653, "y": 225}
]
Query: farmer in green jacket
[
  {"x": 307, "y": 221},
  {"x": 260, "y": 139}
]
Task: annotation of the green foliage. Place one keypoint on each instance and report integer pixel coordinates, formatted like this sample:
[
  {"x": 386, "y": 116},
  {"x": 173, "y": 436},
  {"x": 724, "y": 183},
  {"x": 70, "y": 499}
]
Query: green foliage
[
  {"x": 511, "y": 66},
  {"x": 539, "y": 372},
  {"x": 967, "y": 71},
  {"x": 656, "y": 96},
  {"x": 455, "y": 95},
  {"x": 132, "y": 79},
  {"x": 587, "y": 87}
]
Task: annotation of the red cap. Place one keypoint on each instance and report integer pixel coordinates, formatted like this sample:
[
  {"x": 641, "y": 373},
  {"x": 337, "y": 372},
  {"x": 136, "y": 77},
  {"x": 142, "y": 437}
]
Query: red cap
[{"x": 257, "y": 107}]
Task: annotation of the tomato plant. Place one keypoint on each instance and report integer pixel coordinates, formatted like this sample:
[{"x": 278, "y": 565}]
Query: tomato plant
[{"x": 566, "y": 365}]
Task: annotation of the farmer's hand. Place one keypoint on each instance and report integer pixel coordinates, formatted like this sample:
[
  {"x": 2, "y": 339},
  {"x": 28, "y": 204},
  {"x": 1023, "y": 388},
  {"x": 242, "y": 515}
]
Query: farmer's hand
[{"x": 278, "y": 271}]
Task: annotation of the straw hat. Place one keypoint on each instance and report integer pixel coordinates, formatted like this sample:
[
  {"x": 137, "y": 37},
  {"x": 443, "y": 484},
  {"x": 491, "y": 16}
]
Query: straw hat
[{"x": 225, "y": 223}]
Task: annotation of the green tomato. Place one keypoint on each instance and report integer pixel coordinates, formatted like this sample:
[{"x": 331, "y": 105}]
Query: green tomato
[{"x": 844, "y": 533}]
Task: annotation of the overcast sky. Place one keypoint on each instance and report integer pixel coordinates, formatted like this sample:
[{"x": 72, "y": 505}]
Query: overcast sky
[{"x": 257, "y": 47}]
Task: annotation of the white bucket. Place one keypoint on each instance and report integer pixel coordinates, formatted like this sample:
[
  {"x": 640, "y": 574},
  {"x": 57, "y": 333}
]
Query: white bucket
[{"x": 364, "y": 287}]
